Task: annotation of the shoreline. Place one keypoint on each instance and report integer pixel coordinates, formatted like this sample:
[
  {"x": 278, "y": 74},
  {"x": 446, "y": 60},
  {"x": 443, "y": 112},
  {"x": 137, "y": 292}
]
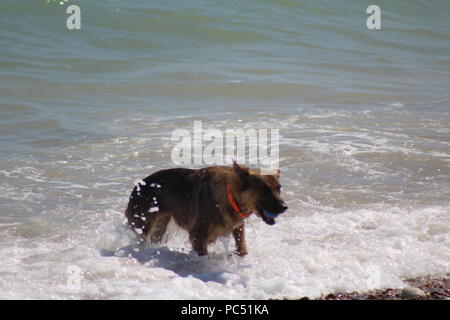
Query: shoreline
[{"x": 420, "y": 288}]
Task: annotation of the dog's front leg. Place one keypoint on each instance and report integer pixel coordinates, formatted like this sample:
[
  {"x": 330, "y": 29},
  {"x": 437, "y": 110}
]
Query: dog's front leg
[{"x": 239, "y": 238}]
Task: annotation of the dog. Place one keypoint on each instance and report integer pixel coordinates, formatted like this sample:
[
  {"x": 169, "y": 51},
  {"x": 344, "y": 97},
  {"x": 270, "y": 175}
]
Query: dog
[{"x": 208, "y": 203}]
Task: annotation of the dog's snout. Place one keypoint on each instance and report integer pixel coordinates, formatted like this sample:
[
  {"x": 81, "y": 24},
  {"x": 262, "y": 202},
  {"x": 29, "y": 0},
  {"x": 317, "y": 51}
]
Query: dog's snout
[
  {"x": 284, "y": 207},
  {"x": 279, "y": 208}
]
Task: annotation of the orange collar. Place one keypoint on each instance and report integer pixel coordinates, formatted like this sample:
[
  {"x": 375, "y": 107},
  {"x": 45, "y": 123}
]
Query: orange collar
[{"x": 234, "y": 204}]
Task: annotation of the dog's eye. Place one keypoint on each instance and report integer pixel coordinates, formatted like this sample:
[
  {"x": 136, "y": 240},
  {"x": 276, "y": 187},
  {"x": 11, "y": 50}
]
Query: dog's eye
[{"x": 279, "y": 189}]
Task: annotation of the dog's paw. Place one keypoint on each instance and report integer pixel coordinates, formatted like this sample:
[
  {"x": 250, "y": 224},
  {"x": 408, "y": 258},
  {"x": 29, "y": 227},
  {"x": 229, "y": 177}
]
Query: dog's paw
[{"x": 237, "y": 253}]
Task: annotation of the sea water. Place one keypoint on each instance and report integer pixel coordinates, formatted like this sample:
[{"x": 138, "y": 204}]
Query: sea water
[{"x": 363, "y": 117}]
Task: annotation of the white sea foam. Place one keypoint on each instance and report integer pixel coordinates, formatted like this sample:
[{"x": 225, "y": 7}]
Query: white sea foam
[
  {"x": 307, "y": 255},
  {"x": 397, "y": 104}
]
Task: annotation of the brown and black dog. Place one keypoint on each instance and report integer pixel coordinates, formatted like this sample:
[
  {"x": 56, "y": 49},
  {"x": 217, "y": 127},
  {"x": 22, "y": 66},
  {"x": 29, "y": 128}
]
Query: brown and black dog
[{"x": 208, "y": 203}]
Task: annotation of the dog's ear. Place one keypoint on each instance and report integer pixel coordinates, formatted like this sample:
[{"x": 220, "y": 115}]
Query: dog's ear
[
  {"x": 242, "y": 173},
  {"x": 277, "y": 173}
]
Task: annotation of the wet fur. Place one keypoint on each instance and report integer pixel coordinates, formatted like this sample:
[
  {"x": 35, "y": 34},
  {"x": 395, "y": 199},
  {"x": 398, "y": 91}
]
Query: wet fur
[{"x": 197, "y": 201}]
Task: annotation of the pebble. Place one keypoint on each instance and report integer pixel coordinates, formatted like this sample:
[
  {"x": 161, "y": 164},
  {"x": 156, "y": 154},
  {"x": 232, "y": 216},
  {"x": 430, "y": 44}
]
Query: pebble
[{"x": 413, "y": 292}]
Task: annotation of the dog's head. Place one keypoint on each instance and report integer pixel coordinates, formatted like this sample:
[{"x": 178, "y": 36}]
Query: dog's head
[{"x": 260, "y": 193}]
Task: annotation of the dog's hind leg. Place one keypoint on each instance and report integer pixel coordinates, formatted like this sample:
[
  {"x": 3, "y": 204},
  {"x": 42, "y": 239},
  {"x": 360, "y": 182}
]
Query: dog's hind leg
[
  {"x": 158, "y": 226},
  {"x": 239, "y": 238}
]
